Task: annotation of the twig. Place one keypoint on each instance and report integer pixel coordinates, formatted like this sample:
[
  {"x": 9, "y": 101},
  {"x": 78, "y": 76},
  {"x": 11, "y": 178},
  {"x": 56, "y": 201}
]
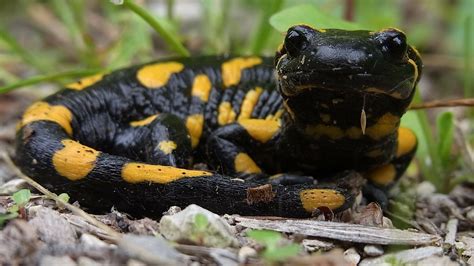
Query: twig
[
  {"x": 452, "y": 229},
  {"x": 445, "y": 103},
  {"x": 115, "y": 236},
  {"x": 342, "y": 231}
]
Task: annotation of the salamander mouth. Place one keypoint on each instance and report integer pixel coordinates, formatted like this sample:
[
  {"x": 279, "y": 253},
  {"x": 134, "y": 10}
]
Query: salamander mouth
[{"x": 293, "y": 83}]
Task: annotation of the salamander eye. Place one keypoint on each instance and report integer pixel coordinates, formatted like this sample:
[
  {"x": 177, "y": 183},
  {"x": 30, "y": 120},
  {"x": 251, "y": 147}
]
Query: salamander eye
[
  {"x": 295, "y": 40},
  {"x": 393, "y": 42}
]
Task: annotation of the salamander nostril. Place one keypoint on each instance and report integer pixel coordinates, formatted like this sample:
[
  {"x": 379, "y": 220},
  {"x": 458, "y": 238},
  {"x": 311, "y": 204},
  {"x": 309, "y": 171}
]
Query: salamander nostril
[{"x": 295, "y": 41}]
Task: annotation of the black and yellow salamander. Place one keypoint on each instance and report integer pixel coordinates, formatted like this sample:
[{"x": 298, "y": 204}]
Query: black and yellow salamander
[{"x": 278, "y": 135}]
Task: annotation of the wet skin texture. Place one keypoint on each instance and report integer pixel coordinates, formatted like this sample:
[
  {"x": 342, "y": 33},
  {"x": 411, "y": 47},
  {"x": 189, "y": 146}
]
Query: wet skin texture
[{"x": 282, "y": 144}]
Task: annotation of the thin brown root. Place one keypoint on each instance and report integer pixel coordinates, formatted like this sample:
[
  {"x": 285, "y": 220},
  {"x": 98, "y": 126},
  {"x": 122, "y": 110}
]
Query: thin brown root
[
  {"x": 469, "y": 102},
  {"x": 114, "y": 235}
]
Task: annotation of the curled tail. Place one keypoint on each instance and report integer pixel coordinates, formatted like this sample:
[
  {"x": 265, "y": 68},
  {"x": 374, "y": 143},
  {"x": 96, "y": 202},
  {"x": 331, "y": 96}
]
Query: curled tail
[{"x": 98, "y": 180}]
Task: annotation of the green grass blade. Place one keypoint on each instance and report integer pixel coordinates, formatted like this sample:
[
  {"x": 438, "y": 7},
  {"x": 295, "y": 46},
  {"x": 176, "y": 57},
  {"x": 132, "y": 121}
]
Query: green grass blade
[
  {"x": 169, "y": 38},
  {"x": 44, "y": 78},
  {"x": 16, "y": 48},
  {"x": 445, "y": 127},
  {"x": 262, "y": 34}
]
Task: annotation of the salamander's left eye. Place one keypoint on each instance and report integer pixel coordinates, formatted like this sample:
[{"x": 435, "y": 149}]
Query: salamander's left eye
[
  {"x": 295, "y": 40},
  {"x": 393, "y": 42}
]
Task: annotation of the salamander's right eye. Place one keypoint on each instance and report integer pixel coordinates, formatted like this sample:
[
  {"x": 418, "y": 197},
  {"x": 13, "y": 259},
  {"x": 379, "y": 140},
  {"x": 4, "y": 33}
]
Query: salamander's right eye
[
  {"x": 296, "y": 40},
  {"x": 393, "y": 42}
]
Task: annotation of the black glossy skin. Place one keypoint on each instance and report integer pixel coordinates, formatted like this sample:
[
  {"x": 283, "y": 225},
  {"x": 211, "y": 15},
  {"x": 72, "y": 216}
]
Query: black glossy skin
[{"x": 337, "y": 65}]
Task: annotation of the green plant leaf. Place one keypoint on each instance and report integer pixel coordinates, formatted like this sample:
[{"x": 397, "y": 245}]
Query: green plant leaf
[
  {"x": 7, "y": 216},
  {"x": 64, "y": 197},
  {"x": 281, "y": 253},
  {"x": 21, "y": 197},
  {"x": 200, "y": 222},
  {"x": 445, "y": 127},
  {"x": 265, "y": 237},
  {"x": 310, "y": 15}
]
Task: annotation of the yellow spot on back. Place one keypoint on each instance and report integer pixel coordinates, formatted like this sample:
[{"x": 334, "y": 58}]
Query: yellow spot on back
[
  {"x": 319, "y": 130},
  {"x": 249, "y": 103},
  {"x": 226, "y": 114},
  {"x": 167, "y": 146},
  {"x": 140, "y": 172},
  {"x": 157, "y": 75},
  {"x": 311, "y": 199},
  {"x": 43, "y": 111},
  {"x": 406, "y": 141},
  {"x": 415, "y": 69},
  {"x": 375, "y": 153},
  {"x": 244, "y": 164},
  {"x": 194, "y": 124},
  {"x": 382, "y": 175},
  {"x": 354, "y": 132},
  {"x": 276, "y": 116},
  {"x": 201, "y": 87},
  {"x": 143, "y": 122},
  {"x": 385, "y": 125},
  {"x": 232, "y": 69},
  {"x": 74, "y": 161},
  {"x": 259, "y": 129},
  {"x": 325, "y": 117},
  {"x": 85, "y": 82}
]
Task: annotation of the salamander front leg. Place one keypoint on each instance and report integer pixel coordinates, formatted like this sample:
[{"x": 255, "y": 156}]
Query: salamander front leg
[
  {"x": 231, "y": 147},
  {"x": 383, "y": 177}
]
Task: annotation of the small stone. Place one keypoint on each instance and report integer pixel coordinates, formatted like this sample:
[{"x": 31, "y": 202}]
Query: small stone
[
  {"x": 51, "y": 260},
  {"x": 52, "y": 228},
  {"x": 387, "y": 223},
  {"x": 91, "y": 241},
  {"x": 172, "y": 210},
  {"x": 437, "y": 261},
  {"x": 151, "y": 250},
  {"x": 12, "y": 186},
  {"x": 373, "y": 250},
  {"x": 470, "y": 215},
  {"x": 246, "y": 252},
  {"x": 352, "y": 256},
  {"x": 312, "y": 245},
  {"x": 425, "y": 189},
  {"x": 209, "y": 230},
  {"x": 85, "y": 261}
]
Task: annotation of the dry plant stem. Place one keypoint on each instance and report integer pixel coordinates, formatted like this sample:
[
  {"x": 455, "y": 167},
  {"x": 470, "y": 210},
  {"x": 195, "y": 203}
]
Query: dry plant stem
[
  {"x": 341, "y": 231},
  {"x": 113, "y": 234},
  {"x": 452, "y": 229},
  {"x": 469, "y": 102}
]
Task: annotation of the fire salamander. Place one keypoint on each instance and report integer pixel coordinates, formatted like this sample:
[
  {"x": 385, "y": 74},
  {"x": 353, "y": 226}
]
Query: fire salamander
[{"x": 278, "y": 135}]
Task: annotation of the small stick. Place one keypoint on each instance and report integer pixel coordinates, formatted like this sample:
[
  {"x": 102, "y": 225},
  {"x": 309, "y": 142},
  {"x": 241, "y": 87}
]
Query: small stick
[
  {"x": 452, "y": 229},
  {"x": 113, "y": 234},
  {"x": 445, "y": 103}
]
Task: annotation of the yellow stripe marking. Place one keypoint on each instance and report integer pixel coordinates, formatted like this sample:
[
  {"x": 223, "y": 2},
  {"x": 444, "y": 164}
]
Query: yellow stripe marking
[
  {"x": 85, "y": 82},
  {"x": 167, "y": 146},
  {"x": 226, "y": 114},
  {"x": 143, "y": 122},
  {"x": 312, "y": 199},
  {"x": 406, "y": 141},
  {"x": 194, "y": 124},
  {"x": 140, "y": 172},
  {"x": 74, "y": 161},
  {"x": 244, "y": 164},
  {"x": 415, "y": 69},
  {"x": 249, "y": 103},
  {"x": 157, "y": 75},
  {"x": 259, "y": 129},
  {"x": 319, "y": 130},
  {"x": 232, "y": 69},
  {"x": 43, "y": 111},
  {"x": 385, "y": 125},
  {"x": 201, "y": 87},
  {"x": 382, "y": 175}
]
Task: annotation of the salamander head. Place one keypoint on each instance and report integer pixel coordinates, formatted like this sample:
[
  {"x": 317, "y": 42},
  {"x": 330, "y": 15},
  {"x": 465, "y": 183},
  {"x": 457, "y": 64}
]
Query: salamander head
[{"x": 369, "y": 62}]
